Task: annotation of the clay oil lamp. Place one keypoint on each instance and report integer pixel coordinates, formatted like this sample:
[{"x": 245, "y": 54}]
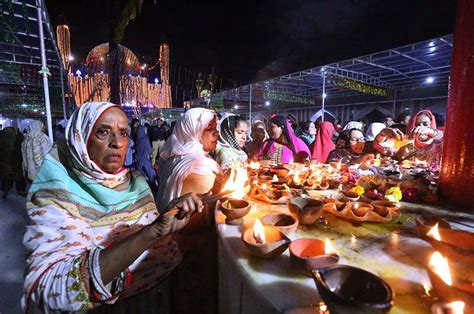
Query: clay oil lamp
[
  {"x": 253, "y": 168},
  {"x": 234, "y": 207},
  {"x": 372, "y": 196},
  {"x": 234, "y": 210},
  {"x": 334, "y": 203},
  {"x": 264, "y": 179},
  {"x": 280, "y": 171},
  {"x": 349, "y": 196},
  {"x": 295, "y": 181},
  {"x": 445, "y": 286},
  {"x": 283, "y": 222},
  {"x": 306, "y": 209},
  {"x": 383, "y": 208},
  {"x": 265, "y": 241},
  {"x": 313, "y": 254},
  {"x": 360, "y": 209},
  {"x": 348, "y": 289},
  {"x": 455, "y": 244}
]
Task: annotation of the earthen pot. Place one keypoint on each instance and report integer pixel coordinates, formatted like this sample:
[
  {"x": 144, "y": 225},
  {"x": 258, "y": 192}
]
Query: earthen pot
[
  {"x": 276, "y": 242},
  {"x": 283, "y": 222},
  {"x": 348, "y": 289},
  {"x": 281, "y": 172},
  {"x": 306, "y": 209},
  {"x": 234, "y": 210},
  {"x": 309, "y": 253}
]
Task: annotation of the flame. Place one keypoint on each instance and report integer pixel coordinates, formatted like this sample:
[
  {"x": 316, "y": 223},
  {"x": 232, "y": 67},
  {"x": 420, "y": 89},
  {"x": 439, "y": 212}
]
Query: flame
[
  {"x": 254, "y": 165},
  {"x": 353, "y": 239},
  {"x": 296, "y": 177},
  {"x": 377, "y": 161},
  {"x": 427, "y": 287},
  {"x": 328, "y": 248},
  {"x": 457, "y": 307},
  {"x": 356, "y": 206},
  {"x": 275, "y": 178},
  {"x": 236, "y": 182},
  {"x": 264, "y": 187},
  {"x": 338, "y": 166},
  {"x": 434, "y": 233},
  {"x": 287, "y": 189},
  {"x": 439, "y": 264},
  {"x": 258, "y": 232}
]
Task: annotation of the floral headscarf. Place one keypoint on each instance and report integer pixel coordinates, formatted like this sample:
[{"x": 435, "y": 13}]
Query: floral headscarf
[{"x": 78, "y": 131}]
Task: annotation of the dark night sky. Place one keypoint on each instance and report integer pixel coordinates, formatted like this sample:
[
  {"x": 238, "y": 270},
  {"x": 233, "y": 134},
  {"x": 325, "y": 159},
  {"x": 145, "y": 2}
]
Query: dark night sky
[{"x": 251, "y": 40}]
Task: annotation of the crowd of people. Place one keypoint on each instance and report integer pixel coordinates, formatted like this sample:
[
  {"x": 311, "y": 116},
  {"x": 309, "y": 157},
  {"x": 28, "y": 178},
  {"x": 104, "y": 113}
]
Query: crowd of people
[{"x": 116, "y": 207}]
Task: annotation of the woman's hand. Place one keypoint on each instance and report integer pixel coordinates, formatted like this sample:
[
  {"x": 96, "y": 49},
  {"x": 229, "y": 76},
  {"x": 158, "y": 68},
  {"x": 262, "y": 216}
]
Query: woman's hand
[
  {"x": 423, "y": 132},
  {"x": 176, "y": 216}
]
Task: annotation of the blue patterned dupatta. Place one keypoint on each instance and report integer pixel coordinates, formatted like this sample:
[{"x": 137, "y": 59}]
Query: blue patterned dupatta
[
  {"x": 98, "y": 203},
  {"x": 72, "y": 218}
]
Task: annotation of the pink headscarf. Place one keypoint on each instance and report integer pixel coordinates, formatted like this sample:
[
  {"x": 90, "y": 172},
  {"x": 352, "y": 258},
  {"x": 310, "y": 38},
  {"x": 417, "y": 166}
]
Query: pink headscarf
[
  {"x": 323, "y": 143},
  {"x": 296, "y": 146}
]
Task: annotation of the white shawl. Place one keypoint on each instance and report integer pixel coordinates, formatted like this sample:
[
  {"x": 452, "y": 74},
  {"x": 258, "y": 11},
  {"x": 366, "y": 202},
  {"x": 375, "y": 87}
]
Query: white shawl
[{"x": 183, "y": 154}]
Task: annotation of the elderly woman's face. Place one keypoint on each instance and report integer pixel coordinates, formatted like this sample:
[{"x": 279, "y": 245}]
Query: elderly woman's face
[
  {"x": 209, "y": 136},
  {"x": 357, "y": 141},
  {"x": 258, "y": 134},
  {"x": 275, "y": 131},
  {"x": 108, "y": 142}
]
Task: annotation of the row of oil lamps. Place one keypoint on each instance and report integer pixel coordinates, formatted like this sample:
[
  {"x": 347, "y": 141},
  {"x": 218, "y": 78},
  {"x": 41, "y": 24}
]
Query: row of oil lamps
[{"x": 270, "y": 239}]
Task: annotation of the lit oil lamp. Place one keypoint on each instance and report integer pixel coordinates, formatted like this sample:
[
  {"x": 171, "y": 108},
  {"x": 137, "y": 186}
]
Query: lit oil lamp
[
  {"x": 456, "y": 244},
  {"x": 234, "y": 207},
  {"x": 255, "y": 165},
  {"x": 265, "y": 241},
  {"x": 446, "y": 286},
  {"x": 308, "y": 210},
  {"x": 376, "y": 162},
  {"x": 313, "y": 253},
  {"x": 455, "y": 307},
  {"x": 283, "y": 222}
]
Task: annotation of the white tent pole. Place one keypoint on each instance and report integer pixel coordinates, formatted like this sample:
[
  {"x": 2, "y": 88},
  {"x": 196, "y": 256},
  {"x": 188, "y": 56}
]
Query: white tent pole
[
  {"x": 250, "y": 104},
  {"x": 43, "y": 67},
  {"x": 324, "y": 93}
]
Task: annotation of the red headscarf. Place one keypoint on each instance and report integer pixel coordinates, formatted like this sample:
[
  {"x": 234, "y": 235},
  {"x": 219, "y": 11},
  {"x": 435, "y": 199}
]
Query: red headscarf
[
  {"x": 412, "y": 124},
  {"x": 323, "y": 143}
]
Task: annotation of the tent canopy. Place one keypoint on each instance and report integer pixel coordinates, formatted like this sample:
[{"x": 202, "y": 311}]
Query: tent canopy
[{"x": 378, "y": 76}]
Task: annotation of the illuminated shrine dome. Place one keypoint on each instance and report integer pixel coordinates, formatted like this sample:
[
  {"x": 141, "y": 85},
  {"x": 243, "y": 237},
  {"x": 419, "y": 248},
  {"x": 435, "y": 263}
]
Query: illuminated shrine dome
[{"x": 97, "y": 58}]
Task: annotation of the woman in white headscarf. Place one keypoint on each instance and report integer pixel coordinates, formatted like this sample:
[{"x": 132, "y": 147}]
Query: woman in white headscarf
[
  {"x": 373, "y": 130},
  {"x": 185, "y": 165},
  {"x": 34, "y": 148},
  {"x": 353, "y": 125}
]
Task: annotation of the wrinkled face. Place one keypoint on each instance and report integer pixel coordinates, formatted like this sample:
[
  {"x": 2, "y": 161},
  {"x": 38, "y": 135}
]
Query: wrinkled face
[
  {"x": 312, "y": 129},
  {"x": 357, "y": 141},
  {"x": 423, "y": 120},
  {"x": 389, "y": 121},
  {"x": 258, "y": 134},
  {"x": 209, "y": 136},
  {"x": 108, "y": 142},
  {"x": 275, "y": 131},
  {"x": 240, "y": 133},
  {"x": 407, "y": 119}
]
